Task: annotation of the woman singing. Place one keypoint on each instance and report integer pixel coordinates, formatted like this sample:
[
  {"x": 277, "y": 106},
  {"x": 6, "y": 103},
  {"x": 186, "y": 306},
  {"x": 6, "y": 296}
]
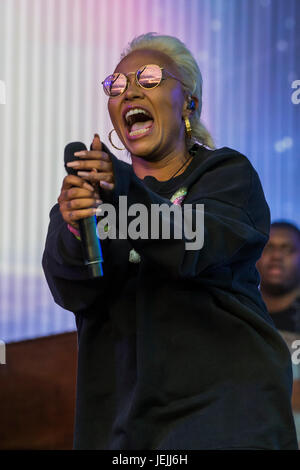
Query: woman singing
[{"x": 175, "y": 347}]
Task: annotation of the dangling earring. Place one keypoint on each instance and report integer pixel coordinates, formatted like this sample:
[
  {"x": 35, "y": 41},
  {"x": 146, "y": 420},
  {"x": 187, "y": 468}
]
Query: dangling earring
[
  {"x": 188, "y": 127},
  {"x": 110, "y": 139}
]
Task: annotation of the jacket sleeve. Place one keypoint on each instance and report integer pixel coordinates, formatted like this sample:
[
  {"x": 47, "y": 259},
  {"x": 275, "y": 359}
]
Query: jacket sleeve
[
  {"x": 64, "y": 268},
  {"x": 236, "y": 216}
]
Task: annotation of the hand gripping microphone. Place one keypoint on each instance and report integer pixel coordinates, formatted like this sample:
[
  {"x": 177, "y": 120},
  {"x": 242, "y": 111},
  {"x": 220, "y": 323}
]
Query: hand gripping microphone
[{"x": 90, "y": 242}]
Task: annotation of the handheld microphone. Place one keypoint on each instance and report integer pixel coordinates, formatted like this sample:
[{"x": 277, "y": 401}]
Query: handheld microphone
[{"x": 90, "y": 242}]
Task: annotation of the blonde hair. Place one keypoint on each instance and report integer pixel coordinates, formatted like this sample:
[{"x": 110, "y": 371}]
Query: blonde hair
[{"x": 190, "y": 75}]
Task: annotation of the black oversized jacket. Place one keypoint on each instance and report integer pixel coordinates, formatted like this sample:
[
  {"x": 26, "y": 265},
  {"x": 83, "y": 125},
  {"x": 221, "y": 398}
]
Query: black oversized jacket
[{"x": 178, "y": 351}]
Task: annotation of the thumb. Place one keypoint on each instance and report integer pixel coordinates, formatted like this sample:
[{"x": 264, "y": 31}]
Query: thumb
[{"x": 96, "y": 144}]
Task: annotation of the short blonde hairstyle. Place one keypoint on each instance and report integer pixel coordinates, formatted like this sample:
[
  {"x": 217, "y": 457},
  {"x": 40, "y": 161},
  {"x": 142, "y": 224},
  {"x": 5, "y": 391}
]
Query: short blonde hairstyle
[{"x": 190, "y": 74}]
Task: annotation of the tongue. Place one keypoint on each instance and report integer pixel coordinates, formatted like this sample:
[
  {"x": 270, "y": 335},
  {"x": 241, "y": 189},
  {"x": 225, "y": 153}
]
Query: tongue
[{"x": 141, "y": 125}]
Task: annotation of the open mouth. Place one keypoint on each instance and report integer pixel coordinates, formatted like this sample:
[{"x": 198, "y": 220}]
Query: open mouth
[{"x": 138, "y": 122}]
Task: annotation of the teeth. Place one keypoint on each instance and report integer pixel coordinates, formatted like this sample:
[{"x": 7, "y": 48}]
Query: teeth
[
  {"x": 139, "y": 131},
  {"x": 136, "y": 111}
]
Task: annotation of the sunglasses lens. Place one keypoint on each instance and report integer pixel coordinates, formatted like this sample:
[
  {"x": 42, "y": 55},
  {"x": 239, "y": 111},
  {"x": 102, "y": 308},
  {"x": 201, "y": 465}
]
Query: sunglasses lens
[
  {"x": 115, "y": 84},
  {"x": 149, "y": 76}
]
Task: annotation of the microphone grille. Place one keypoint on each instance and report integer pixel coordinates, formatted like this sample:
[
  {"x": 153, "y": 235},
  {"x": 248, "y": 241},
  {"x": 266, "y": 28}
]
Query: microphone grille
[{"x": 69, "y": 155}]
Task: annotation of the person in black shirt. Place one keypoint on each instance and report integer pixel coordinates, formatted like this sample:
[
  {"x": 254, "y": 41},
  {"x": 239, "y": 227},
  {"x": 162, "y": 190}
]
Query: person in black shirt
[
  {"x": 176, "y": 349},
  {"x": 279, "y": 268}
]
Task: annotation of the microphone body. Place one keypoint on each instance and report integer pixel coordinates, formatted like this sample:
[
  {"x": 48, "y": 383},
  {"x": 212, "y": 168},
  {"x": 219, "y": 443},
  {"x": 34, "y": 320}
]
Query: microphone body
[{"x": 90, "y": 242}]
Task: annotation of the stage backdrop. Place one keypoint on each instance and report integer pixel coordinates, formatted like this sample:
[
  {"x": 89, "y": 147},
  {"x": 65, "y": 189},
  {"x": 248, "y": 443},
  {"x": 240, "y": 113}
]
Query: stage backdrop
[{"x": 54, "y": 55}]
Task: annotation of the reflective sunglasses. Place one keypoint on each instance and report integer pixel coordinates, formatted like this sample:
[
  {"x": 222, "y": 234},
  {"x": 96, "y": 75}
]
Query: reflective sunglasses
[{"x": 148, "y": 77}]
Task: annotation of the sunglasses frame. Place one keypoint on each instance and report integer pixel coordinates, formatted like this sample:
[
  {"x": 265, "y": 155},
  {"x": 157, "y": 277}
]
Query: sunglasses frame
[{"x": 142, "y": 68}]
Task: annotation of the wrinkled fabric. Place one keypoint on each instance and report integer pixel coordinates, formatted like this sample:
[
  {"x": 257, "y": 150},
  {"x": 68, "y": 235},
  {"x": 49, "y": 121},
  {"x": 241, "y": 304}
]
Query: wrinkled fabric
[{"x": 177, "y": 351}]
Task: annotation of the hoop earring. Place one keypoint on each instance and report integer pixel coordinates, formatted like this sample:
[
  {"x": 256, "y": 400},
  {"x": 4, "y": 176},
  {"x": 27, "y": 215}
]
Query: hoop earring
[
  {"x": 110, "y": 139},
  {"x": 188, "y": 127}
]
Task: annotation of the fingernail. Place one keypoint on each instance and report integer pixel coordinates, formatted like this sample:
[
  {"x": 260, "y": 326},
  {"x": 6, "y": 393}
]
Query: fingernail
[
  {"x": 78, "y": 154},
  {"x": 73, "y": 164},
  {"x": 98, "y": 211},
  {"x": 105, "y": 183},
  {"x": 98, "y": 201},
  {"x": 85, "y": 174}
]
